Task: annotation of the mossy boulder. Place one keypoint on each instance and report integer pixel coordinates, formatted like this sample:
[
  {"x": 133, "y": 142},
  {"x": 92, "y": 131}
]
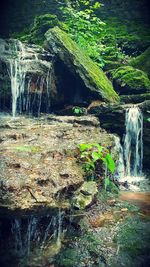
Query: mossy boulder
[
  {"x": 142, "y": 62},
  {"x": 128, "y": 80},
  {"x": 40, "y": 26},
  {"x": 80, "y": 65},
  {"x": 84, "y": 196}
]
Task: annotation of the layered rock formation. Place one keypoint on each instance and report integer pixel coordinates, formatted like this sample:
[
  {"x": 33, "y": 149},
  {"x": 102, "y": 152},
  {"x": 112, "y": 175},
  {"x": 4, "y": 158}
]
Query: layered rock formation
[{"x": 38, "y": 160}]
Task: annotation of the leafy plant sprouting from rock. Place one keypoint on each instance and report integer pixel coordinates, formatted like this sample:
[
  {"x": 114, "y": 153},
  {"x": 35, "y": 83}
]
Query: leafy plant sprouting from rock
[
  {"x": 93, "y": 158},
  {"x": 78, "y": 111}
]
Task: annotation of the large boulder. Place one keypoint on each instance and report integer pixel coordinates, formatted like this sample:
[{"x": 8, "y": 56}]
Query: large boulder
[
  {"x": 38, "y": 160},
  {"x": 68, "y": 52}
]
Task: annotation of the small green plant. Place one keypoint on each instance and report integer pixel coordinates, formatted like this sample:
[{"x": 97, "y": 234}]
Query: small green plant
[
  {"x": 78, "y": 111},
  {"x": 91, "y": 155}
]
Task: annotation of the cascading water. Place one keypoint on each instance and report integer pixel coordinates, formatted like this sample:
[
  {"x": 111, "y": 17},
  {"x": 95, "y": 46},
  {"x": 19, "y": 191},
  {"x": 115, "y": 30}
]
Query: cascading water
[
  {"x": 36, "y": 233},
  {"x": 17, "y": 74},
  {"x": 129, "y": 164},
  {"x": 29, "y": 69},
  {"x": 133, "y": 142}
]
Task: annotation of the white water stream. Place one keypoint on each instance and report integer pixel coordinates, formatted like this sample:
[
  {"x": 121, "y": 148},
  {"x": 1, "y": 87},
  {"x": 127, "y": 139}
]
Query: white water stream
[
  {"x": 27, "y": 83},
  {"x": 130, "y": 159},
  {"x": 17, "y": 74},
  {"x": 133, "y": 143},
  {"x": 36, "y": 233}
]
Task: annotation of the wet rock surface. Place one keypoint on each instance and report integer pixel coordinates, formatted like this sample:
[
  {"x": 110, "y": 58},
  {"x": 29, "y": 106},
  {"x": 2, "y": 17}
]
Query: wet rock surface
[{"x": 38, "y": 159}]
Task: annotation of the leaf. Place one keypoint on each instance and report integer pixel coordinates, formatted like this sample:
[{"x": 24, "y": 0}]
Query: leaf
[
  {"x": 110, "y": 163},
  {"x": 96, "y": 155},
  {"x": 84, "y": 147}
]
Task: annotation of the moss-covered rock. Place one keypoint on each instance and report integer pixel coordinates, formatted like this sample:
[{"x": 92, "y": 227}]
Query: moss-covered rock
[
  {"x": 41, "y": 25},
  {"x": 142, "y": 62},
  {"x": 128, "y": 80},
  {"x": 85, "y": 195},
  {"x": 80, "y": 65}
]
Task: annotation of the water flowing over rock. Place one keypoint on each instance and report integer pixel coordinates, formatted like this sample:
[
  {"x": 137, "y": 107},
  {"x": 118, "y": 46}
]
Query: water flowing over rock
[
  {"x": 28, "y": 73},
  {"x": 130, "y": 160},
  {"x": 112, "y": 118},
  {"x": 133, "y": 143}
]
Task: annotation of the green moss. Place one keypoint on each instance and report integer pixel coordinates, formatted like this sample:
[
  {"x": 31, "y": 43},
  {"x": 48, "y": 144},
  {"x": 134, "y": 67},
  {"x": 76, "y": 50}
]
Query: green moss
[
  {"x": 130, "y": 79},
  {"x": 96, "y": 77},
  {"x": 142, "y": 62}
]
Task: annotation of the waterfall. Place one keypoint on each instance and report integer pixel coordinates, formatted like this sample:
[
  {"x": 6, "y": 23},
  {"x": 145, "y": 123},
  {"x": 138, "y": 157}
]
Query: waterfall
[
  {"x": 30, "y": 69},
  {"x": 133, "y": 142},
  {"x": 35, "y": 233},
  {"x": 129, "y": 163},
  {"x": 17, "y": 75}
]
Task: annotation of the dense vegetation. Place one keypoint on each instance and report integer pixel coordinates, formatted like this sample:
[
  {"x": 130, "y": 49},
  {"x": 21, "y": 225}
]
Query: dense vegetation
[{"x": 110, "y": 42}]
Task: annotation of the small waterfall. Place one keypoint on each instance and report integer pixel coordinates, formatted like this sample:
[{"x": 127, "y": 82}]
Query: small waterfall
[
  {"x": 17, "y": 74},
  {"x": 129, "y": 163},
  {"x": 35, "y": 233},
  {"x": 30, "y": 69},
  {"x": 133, "y": 142}
]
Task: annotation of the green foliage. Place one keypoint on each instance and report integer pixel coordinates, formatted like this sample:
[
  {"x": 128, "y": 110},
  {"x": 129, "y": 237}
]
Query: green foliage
[
  {"x": 78, "y": 111},
  {"x": 85, "y": 27},
  {"x": 91, "y": 154},
  {"x": 123, "y": 39}
]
